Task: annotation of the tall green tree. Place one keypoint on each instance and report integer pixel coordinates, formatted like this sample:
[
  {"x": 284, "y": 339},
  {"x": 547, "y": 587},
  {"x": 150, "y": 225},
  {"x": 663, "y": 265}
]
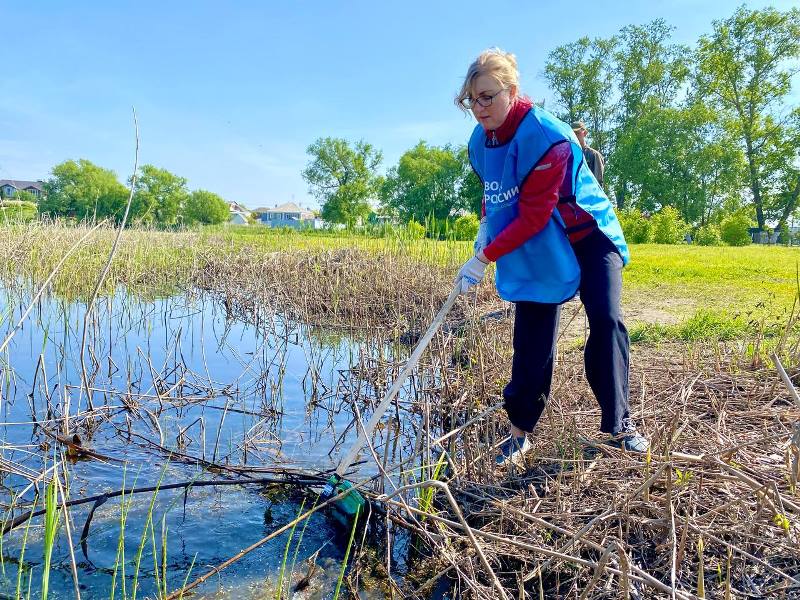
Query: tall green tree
[
  {"x": 205, "y": 208},
  {"x": 785, "y": 203},
  {"x": 83, "y": 190},
  {"x": 678, "y": 157},
  {"x": 649, "y": 72},
  {"x": 745, "y": 68},
  {"x": 649, "y": 67},
  {"x": 159, "y": 196},
  {"x": 609, "y": 83},
  {"x": 581, "y": 75},
  {"x": 343, "y": 177},
  {"x": 429, "y": 182}
]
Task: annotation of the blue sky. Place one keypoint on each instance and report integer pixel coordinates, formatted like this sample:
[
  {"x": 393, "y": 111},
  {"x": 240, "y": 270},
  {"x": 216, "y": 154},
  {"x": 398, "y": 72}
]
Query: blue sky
[{"x": 230, "y": 94}]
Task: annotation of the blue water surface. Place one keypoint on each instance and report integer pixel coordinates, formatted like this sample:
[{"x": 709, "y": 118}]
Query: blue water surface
[{"x": 174, "y": 374}]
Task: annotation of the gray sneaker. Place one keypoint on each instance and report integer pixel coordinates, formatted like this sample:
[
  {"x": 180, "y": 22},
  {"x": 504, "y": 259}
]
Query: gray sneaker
[
  {"x": 512, "y": 450},
  {"x": 629, "y": 439}
]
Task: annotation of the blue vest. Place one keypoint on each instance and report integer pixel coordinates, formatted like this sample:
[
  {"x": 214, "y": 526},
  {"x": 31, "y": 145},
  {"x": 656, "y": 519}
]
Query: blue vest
[{"x": 544, "y": 268}]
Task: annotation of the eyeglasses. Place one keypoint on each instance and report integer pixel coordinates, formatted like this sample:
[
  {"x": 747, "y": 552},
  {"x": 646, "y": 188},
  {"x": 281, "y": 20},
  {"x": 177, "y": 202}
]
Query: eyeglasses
[{"x": 485, "y": 100}]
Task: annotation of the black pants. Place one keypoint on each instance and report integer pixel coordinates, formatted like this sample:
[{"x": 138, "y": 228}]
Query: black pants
[{"x": 607, "y": 349}]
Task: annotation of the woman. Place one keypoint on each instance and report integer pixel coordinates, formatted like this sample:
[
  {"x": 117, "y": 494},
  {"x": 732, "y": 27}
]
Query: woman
[{"x": 552, "y": 232}]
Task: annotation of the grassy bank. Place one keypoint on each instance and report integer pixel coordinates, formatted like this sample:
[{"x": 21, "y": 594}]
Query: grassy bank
[
  {"x": 670, "y": 292},
  {"x": 663, "y": 284}
]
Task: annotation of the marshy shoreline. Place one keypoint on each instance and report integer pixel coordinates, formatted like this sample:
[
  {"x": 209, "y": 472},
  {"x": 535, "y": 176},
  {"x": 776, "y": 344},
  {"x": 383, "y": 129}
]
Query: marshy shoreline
[{"x": 712, "y": 511}]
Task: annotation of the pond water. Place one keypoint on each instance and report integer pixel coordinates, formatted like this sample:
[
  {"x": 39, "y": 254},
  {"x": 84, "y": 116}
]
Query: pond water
[{"x": 177, "y": 374}]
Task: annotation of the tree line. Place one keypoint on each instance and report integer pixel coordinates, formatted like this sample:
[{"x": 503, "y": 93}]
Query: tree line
[
  {"x": 82, "y": 190},
  {"x": 706, "y": 130},
  {"x": 429, "y": 183}
]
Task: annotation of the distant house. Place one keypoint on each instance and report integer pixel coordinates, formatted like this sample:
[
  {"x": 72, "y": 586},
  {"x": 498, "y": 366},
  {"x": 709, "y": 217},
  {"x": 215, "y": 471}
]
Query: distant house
[
  {"x": 238, "y": 218},
  {"x": 236, "y": 207},
  {"x": 257, "y": 212},
  {"x": 10, "y": 187},
  {"x": 286, "y": 215},
  {"x": 239, "y": 215}
]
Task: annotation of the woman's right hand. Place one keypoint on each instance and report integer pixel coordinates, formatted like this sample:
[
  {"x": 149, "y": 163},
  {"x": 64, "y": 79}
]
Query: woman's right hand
[{"x": 471, "y": 273}]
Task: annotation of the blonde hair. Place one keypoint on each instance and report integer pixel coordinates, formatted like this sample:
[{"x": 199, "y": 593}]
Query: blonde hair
[{"x": 500, "y": 66}]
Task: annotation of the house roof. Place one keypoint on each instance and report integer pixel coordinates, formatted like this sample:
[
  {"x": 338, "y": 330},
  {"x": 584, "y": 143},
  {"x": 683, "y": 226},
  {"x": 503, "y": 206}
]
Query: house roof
[
  {"x": 287, "y": 207},
  {"x": 22, "y": 185},
  {"x": 236, "y": 207}
]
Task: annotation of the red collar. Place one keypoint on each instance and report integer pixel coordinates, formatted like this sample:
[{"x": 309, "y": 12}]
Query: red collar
[{"x": 515, "y": 115}]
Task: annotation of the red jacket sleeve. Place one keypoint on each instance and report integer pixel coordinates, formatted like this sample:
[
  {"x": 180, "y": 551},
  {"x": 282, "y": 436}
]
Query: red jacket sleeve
[{"x": 537, "y": 199}]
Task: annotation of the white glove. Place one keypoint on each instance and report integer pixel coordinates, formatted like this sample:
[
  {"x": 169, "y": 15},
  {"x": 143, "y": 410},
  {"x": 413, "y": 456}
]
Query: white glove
[
  {"x": 471, "y": 273},
  {"x": 482, "y": 239}
]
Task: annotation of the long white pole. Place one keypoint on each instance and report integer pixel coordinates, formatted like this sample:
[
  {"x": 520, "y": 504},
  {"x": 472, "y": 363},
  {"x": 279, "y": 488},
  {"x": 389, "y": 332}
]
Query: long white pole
[{"x": 366, "y": 432}]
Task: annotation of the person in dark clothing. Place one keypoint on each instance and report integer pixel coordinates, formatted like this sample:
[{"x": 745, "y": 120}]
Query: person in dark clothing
[
  {"x": 593, "y": 157},
  {"x": 552, "y": 232}
]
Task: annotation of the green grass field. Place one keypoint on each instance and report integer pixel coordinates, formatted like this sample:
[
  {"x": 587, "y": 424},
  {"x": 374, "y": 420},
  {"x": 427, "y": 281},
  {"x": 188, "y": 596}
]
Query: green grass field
[
  {"x": 696, "y": 291},
  {"x": 732, "y": 277}
]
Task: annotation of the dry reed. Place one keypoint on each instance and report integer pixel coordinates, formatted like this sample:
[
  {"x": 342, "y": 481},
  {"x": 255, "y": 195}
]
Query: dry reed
[{"x": 712, "y": 511}]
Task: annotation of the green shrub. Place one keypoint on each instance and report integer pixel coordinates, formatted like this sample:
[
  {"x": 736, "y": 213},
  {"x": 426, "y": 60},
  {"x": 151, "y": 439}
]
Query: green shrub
[
  {"x": 416, "y": 231},
  {"x": 26, "y": 196},
  {"x": 785, "y": 237},
  {"x": 206, "y": 208},
  {"x": 668, "y": 226},
  {"x": 635, "y": 226},
  {"x": 708, "y": 235},
  {"x": 466, "y": 227},
  {"x": 17, "y": 211},
  {"x": 734, "y": 229}
]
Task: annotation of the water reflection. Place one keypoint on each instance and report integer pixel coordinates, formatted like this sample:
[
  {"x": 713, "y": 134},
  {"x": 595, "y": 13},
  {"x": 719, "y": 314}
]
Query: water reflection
[{"x": 175, "y": 390}]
